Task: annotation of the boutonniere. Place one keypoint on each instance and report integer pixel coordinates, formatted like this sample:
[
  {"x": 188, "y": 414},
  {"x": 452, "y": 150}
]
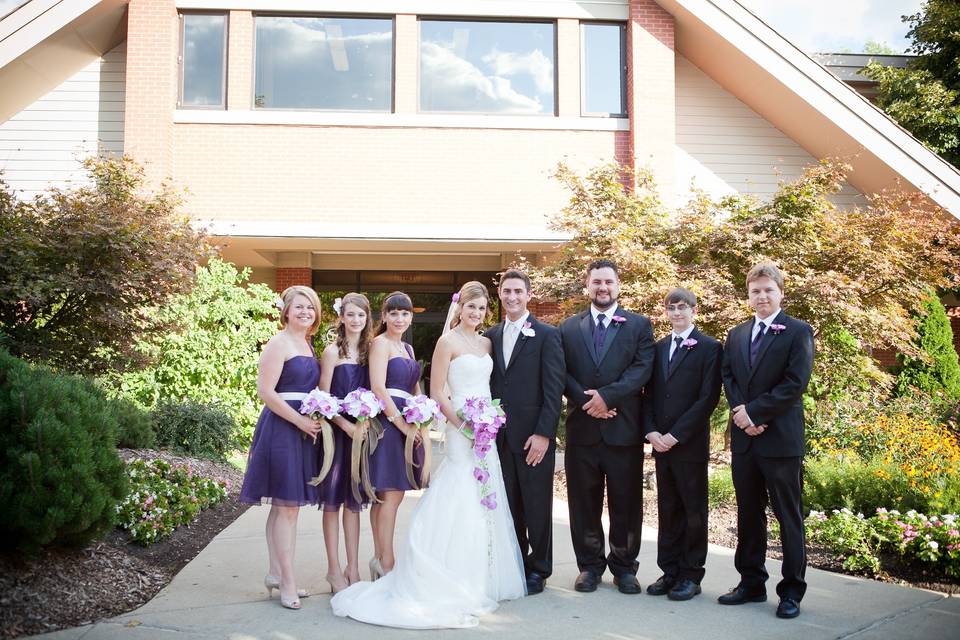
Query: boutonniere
[
  {"x": 528, "y": 330},
  {"x": 688, "y": 344},
  {"x": 777, "y": 328},
  {"x": 618, "y": 320}
]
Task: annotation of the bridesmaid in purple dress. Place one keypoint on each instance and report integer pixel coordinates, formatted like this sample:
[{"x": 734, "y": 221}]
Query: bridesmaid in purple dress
[
  {"x": 343, "y": 367},
  {"x": 283, "y": 456},
  {"x": 394, "y": 377}
]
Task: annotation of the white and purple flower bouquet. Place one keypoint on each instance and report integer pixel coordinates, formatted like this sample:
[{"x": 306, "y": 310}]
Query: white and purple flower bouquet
[
  {"x": 321, "y": 407},
  {"x": 420, "y": 411},
  {"x": 363, "y": 405},
  {"x": 482, "y": 420}
]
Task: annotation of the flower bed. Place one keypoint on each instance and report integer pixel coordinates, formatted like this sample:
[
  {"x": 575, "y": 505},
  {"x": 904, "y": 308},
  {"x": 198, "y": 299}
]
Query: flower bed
[{"x": 163, "y": 497}]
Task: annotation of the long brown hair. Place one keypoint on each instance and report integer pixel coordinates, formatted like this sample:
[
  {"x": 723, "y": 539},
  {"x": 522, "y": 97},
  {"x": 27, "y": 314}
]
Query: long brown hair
[
  {"x": 396, "y": 300},
  {"x": 366, "y": 335}
]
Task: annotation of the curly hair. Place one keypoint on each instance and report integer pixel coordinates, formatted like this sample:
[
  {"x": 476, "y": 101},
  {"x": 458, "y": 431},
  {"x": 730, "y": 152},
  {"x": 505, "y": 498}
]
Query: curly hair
[{"x": 366, "y": 335}]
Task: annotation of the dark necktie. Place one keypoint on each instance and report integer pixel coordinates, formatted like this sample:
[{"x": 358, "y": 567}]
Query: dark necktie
[
  {"x": 755, "y": 345},
  {"x": 599, "y": 334},
  {"x": 676, "y": 351}
]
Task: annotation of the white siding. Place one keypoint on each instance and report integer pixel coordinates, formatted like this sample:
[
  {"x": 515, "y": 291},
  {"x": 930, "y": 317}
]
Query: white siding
[
  {"x": 723, "y": 147},
  {"x": 43, "y": 145}
]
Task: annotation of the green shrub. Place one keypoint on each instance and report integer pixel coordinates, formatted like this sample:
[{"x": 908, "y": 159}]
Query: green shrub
[
  {"x": 60, "y": 475},
  {"x": 194, "y": 428},
  {"x": 939, "y": 370},
  {"x": 720, "y": 489},
  {"x": 848, "y": 482},
  {"x": 134, "y": 426},
  {"x": 162, "y": 497},
  {"x": 847, "y": 534}
]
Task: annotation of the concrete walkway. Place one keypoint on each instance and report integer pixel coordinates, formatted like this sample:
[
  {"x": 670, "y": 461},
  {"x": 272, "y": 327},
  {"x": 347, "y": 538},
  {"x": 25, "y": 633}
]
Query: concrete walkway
[{"x": 220, "y": 595}]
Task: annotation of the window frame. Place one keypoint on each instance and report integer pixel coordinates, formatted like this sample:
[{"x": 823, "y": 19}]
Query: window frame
[
  {"x": 553, "y": 113},
  {"x": 181, "y": 15},
  {"x": 346, "y": 16},
  {"x": 624, "y": 112}
]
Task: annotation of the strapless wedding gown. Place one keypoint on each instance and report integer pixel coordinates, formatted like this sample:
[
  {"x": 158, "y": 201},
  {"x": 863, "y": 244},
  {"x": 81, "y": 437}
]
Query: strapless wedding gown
[{"x": 459, "y": 558}]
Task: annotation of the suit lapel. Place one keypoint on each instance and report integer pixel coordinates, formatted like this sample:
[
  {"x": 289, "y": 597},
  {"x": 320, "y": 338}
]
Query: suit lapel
[
  {"x": 613, "y": 330},
  {"x": 586, "y": 331},
  {"x": 496, "y": 337},
  {"x": 521, "y": 341},
  {"x": 768, "y": 338},
  {"x": 664, "y": 347},
  {"x": 683, "y": 353}
]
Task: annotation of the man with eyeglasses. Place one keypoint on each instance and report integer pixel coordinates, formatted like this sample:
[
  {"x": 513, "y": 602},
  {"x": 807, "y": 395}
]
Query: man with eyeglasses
[{"x": 678, "y": 401}]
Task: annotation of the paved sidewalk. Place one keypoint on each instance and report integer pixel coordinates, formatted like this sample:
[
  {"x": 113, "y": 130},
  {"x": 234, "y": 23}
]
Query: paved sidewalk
[{"x": 220, "y": 595}]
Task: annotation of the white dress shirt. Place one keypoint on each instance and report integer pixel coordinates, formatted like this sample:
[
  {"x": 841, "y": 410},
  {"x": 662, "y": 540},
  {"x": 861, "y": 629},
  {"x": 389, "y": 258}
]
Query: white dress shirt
[
  {"x": 673, "y": 340},
  {"x": 511, "y": 331}
]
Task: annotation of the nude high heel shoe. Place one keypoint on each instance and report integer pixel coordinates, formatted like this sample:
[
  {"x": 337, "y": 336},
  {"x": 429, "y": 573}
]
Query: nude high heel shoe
[
  {"x": 273, "y": 582},
  {"x": 376, "y": 571},
  {"x": 337, "y": 582}
]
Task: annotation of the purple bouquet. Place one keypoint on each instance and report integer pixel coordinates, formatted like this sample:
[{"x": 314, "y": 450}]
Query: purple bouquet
[
  {"x": 321, "y": 406},
  {"x": 362, "y": 404},
  {"x": 482, "y": 419},
  {"x": 421, "y": 410}
]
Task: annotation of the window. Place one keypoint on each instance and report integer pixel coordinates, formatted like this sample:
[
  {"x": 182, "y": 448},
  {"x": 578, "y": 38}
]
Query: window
[
  {"x": 203, "y": 60},
  {"x": 324, "y": 63},
  {"x": 603, "y": 69},
  {"x": 487, "y": 67}
]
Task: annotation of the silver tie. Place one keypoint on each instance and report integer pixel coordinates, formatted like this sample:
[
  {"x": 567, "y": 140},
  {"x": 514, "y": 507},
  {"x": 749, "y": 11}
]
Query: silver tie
[{"x": 509, "y": 340}]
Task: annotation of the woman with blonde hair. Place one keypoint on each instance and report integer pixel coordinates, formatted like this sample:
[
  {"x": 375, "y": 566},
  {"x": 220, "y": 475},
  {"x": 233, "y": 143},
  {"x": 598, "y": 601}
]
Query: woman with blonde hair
[
  {"x": 461, "y": 555},
  {"x": 343, "y": 368},
  {"x": 283, "y": 455}
]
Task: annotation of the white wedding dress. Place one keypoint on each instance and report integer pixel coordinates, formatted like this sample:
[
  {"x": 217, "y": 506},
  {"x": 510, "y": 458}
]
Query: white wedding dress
[{"x": 459, "y": 558}]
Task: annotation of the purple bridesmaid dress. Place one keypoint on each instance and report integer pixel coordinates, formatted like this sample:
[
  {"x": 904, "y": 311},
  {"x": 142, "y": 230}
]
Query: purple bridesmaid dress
[
  {"x": 282, "y": 460},
  {"x": 335, "y": 490},
  {"x": 387, "y": 466}
]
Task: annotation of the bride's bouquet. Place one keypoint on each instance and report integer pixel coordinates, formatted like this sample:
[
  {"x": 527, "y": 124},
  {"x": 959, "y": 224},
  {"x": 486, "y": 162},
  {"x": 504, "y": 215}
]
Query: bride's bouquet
[
  {"x": 420, "y": 411},
  {"x": 482, "y": 419},
  {"x": 363, "y": 405},
  {"x": 322, "y": 407}
]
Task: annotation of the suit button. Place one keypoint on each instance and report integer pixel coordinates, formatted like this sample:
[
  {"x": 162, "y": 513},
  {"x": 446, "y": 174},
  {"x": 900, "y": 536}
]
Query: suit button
[{"x": 668, "y": 395}]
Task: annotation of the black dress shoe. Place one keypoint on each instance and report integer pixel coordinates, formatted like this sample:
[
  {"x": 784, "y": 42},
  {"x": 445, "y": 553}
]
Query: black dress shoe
[
  {"x": 684, "y": 590},
  {"x": 742, "y": 595},
  {"x": 627, "y": 583},
  {"x": 663, "y": 584},
  {"x": 535, "y": 583},
  {"x": 586, "y": 582},
  {"x": 788, "y": 608}
]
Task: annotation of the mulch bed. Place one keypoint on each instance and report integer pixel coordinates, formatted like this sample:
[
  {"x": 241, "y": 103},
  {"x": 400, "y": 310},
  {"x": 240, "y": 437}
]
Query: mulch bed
[
  {"x": 722, "y": 531},
  {"x": 62, "y": 588}
]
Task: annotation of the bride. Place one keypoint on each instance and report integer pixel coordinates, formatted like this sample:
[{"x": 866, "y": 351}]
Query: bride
[{"x": 461, "y": 555}]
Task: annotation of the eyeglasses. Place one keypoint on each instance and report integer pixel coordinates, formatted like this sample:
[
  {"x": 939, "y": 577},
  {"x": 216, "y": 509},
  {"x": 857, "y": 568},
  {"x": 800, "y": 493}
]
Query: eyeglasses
[{"x": 677, "y": 307}]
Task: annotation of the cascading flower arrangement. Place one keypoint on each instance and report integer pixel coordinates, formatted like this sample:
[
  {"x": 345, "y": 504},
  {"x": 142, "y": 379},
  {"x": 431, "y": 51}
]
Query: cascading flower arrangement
[
  {"x": 482, "y": 419},
  {"x": 420, "y": 411},
  {"x": 322, "y": 407},
  {"x": 363, "y": 405}
]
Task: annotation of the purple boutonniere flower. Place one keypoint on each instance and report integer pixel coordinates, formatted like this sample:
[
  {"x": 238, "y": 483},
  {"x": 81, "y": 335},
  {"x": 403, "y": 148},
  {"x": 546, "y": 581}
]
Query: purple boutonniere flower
[
  {"x": 688, "y": 344},
  {"x": 618, "y": 320},
  {"x": 777, "y": 328}
]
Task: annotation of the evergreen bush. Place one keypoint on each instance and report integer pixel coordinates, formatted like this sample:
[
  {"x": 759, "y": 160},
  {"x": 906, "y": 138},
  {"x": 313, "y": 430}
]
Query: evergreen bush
[
  {"x": 134, "y": 425},
  {"x": 60, "y": 476},
  {"x": 940, "y": 369},
  {"x": 194, "y": 428}
]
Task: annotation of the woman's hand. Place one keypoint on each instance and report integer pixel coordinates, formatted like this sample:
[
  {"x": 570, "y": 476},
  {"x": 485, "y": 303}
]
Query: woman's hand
[
  {"x": 413, "y": 431},
  {"x": 309, "y": 426}
]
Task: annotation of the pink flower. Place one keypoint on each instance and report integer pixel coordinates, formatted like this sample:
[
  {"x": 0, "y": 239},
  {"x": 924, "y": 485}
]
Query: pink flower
[
  {"x": 456, "y": 297},
  {"x": 481, "y": 450},
  {"x": 528, "y": 330},
  {"x": 688, "y": 344},
  {"x": 481, "y": 475},
  {"x": 489, "y": 501},
  {"x": 777, "y": 328},
  {"x": 618, "y": 320}
]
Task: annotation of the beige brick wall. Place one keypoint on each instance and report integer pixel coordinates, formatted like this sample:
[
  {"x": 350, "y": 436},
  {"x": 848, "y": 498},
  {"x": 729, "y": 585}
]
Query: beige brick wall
[
  {"x": 240, "y": 60},
  {"x": 151, "y": 84},
  {"x": 379, "y": 175}
]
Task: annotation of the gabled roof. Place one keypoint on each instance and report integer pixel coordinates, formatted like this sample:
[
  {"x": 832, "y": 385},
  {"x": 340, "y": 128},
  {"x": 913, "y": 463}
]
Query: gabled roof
[
  {"x": 44, "y": 42},
  {"x": 808, "y": 103}
]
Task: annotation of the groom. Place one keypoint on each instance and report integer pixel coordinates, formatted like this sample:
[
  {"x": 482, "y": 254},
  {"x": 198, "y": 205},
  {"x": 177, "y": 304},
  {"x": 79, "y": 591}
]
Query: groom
[
  {"x": 609, "y": 354},
  {"x": 528, "y": 377}
]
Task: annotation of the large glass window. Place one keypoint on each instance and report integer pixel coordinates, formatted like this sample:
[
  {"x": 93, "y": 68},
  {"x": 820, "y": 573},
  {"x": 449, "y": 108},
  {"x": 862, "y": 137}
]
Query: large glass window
[
  {"x": 324, "y": 63},
  {"x": 487, "y": 67},
  {"x": 203, "y": 60},
  {"x": 603, "y": 74}
]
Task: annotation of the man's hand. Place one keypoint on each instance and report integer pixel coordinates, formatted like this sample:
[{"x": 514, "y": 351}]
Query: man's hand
[
  {"x": 755, "y": 430},
  {"x": 536, "y": 447},
  {"x": 669, "y": 441},
  {"x": 656, "y": 439},
  {"x": 740, "y": 417},
  {"x": 596, "y": 406}
]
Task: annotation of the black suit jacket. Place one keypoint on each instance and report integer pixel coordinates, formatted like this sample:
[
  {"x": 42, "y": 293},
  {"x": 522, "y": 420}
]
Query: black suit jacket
[
  {"x": 618, "y": 374},
  {"x": 680, "y": 399},
  {"x": 772, "y": 389},
  {"x": 530, "y": 386}
]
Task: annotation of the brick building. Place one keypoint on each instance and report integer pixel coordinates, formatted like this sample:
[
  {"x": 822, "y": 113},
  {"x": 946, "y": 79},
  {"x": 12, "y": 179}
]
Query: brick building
[{"x": 379, "y": 145}]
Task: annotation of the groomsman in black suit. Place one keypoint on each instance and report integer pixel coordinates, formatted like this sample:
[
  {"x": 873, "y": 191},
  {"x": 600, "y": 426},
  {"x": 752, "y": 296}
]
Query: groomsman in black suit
[
  {"x": 527, "y": 376},
  {"x": 678, "y": 401},
  {"x": 767, "y": 362},
  {"x": 609, "y": 358}
]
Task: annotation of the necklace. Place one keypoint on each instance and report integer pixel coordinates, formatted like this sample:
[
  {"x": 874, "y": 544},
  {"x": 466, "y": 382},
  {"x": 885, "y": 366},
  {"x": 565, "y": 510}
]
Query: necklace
[
  {"x": 475, "y": 342},
  {"x": 398, "y": 347}
]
